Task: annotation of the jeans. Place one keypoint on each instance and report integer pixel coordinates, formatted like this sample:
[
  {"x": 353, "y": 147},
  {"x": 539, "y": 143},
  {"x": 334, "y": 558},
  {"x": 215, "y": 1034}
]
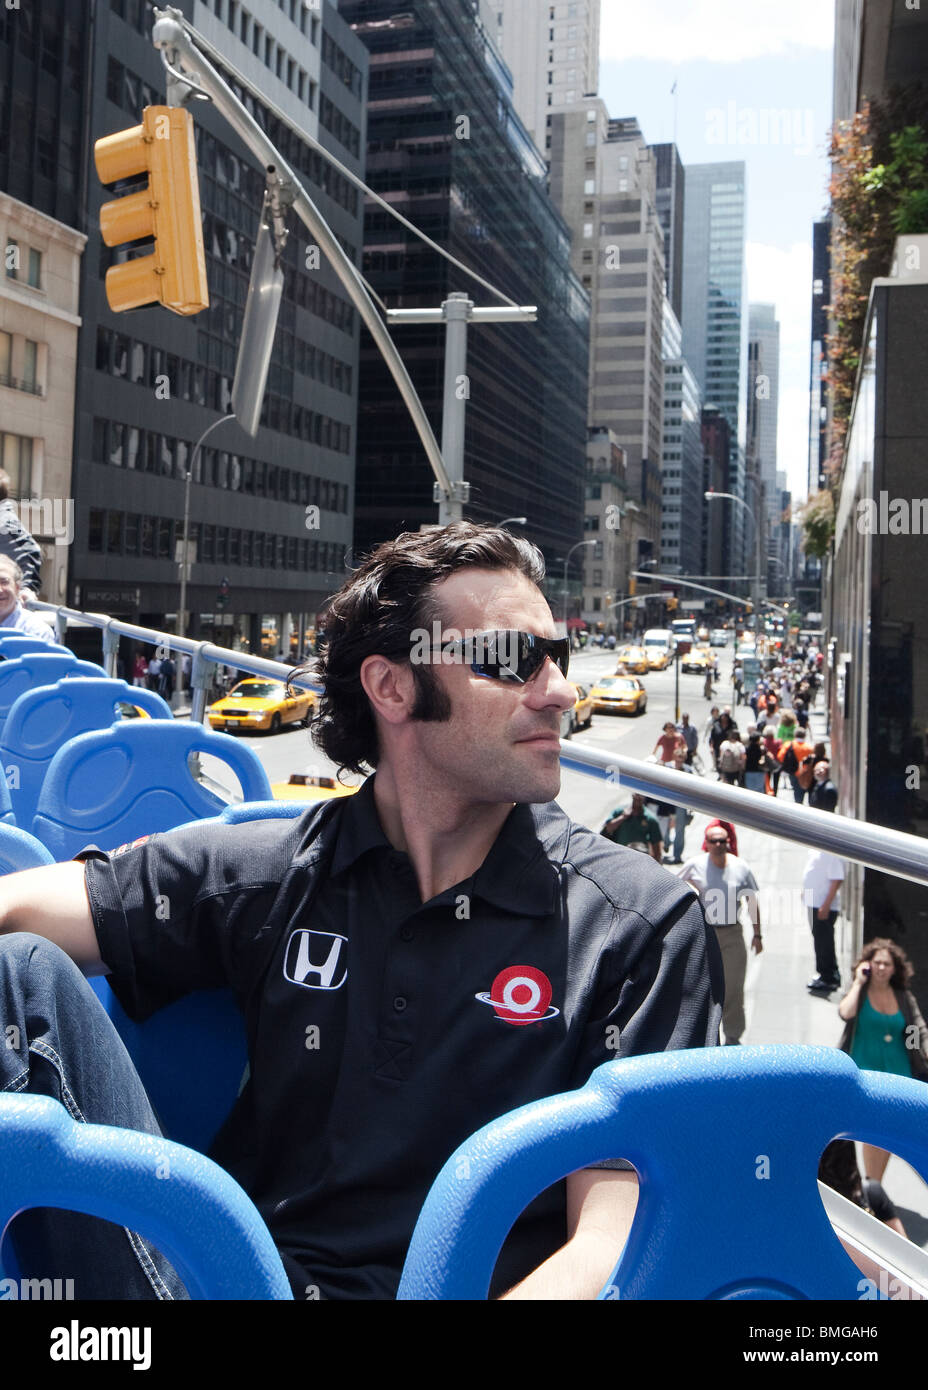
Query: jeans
[
  {"x": 799, "y": 791},
  {"x": 679, "y": 831},
  {"x": 61, "y": 1043},
  {"x": 823, "y": 937},
  {"x": 754, "y": 781}
]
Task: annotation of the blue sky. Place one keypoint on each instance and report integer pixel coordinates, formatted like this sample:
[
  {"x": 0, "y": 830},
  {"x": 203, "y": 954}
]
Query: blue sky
[{"x": 754, "y": 83}]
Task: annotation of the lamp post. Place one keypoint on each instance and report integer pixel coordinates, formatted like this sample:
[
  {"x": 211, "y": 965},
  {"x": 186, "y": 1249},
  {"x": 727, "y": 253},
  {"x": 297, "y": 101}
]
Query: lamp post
[
  {"x": 730, "y": 496},
  {"x": 570, "y": 552},
  {"x": 185, "y": 562},
  {"x": 515, "y": 520}
]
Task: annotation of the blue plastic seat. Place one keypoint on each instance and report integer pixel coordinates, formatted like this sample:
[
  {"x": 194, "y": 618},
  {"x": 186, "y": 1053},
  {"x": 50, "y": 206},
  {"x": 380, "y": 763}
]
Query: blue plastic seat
[
  {"x": 19, "y": 644},
  {"x": 22, "y": 673},
  {"x": 726, "y": 1142},
  {"x": 19, "y": 850},
  {"x": 200, "y": 1219},
  {"x": 45, "y": 718},
  {"x": 134, "y": 779}
]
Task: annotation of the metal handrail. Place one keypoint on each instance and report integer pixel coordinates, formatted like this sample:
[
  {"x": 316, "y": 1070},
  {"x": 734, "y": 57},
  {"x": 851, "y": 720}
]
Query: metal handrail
[{"x": 876, "y": 846}]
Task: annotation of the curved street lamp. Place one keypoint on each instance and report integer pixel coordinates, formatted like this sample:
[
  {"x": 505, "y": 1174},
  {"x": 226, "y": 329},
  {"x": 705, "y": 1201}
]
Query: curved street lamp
[
  {"x": 516, "y": 521},
  {"x": 730, "y": 496},
  {"x": 578, "y": 546}
]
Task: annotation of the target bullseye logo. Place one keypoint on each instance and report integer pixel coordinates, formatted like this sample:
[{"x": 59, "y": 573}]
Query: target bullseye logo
[{"x": 520, "y": 994}]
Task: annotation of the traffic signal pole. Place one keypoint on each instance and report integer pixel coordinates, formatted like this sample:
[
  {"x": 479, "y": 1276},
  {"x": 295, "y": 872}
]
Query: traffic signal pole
[{"x": 171, "y": 35}]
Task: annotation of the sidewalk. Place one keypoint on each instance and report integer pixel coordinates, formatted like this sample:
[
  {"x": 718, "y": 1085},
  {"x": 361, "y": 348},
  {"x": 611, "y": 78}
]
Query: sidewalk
[{"x": 778, "y": 1007}]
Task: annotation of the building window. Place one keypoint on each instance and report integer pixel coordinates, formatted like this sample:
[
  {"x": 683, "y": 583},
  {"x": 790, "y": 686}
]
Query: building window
[
  {"x": 16, "y": 456},
  {"x": 30, "y": 364},
  {"x": 589, "y": 186},
  {"x": 35, "y": 269},
  {"x": 588, "y": 229},
  {"x": 6, "y": 358},
  {"x": 590, "y": 136}
]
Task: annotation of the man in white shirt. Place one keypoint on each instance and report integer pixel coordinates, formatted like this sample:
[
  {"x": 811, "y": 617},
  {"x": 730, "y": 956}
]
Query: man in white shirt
[
  {"x": 724, "y": 882},
  {"x": 821, "y": 885},
  {"x": 13, "y": 617}
]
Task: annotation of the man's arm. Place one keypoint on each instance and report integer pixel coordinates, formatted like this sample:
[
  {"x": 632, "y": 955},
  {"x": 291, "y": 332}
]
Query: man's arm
[
  {"x": 833, "y": 885},
  {"x": 52, "y": 902},
  {"x": 601, "y": 1205}
]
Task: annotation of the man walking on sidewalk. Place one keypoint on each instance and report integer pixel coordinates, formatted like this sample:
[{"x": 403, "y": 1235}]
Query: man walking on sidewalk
[
  {"x": 821, "y": 888},
  {"x": 723, "y": 883}
]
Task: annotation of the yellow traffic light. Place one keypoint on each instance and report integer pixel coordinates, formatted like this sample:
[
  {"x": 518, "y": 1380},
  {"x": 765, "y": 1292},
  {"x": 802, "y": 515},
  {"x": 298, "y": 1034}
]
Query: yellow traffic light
[
  {"x": 168, "y": 210},
  {"x": 672, "y": 604},
  {"x": 632, "y": 586}
]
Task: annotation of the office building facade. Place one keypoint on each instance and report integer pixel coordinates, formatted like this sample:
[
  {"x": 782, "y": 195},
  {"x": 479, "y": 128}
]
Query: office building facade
[
  {"x": 446, "y": 147},
  {"x": 670, "y": 199},
  {"x": 762, "y": 415},
  {"x": 552, "y": 51},
  {"x": 149, "y": 383},
  {"x": 714, "y": 318},
  {"x": 682, "y": 501}
]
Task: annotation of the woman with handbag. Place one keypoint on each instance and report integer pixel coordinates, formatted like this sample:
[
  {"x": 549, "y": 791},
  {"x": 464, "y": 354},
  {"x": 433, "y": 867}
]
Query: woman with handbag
[{"x": 884, "y": 1029}]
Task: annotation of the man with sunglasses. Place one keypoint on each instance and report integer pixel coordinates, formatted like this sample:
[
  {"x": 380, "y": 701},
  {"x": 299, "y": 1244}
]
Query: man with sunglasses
[
  {"x": 453, "y": 943},
  {"x": 725, "y": 884}
]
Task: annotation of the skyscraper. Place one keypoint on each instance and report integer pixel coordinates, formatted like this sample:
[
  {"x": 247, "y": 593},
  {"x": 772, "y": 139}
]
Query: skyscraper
[
  {"x": 602, "y": 179},
  {"x": 818, "y": 366},
  {"x": 552, "y": 51},
  {"x": 682, "y": 485},
  {"x": 670, "y": 178},
  {"x": 762, "y": 408},
  {"x": 714, "y": 314},
  {"x": 447, "y": 147}
]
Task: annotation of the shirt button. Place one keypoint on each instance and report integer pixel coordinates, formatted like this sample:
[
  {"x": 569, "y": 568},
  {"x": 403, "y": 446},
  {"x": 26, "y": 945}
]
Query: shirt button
[
  {"x": 407, "y": 934},
  {"x": 399, "y": 1003}
]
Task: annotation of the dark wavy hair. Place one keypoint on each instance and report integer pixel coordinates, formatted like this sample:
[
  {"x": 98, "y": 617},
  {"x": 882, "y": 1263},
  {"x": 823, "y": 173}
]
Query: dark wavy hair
[
  {"x": 904, "y": 968},
  {"x": 376, "y": 612}
]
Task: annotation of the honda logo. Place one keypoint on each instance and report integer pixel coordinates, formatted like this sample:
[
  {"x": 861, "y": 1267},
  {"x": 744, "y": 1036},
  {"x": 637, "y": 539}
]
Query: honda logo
[{"x": 316, "y": 959}]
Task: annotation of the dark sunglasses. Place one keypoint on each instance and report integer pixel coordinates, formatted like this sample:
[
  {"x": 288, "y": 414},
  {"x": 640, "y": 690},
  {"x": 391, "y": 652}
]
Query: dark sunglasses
[
  {"x": 509, "y": 655},
  {"x": 717, "y": 841}
]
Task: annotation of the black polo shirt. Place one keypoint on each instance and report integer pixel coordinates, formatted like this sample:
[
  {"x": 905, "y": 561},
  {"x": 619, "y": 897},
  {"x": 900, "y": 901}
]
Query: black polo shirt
[{"x": 383, "y": 1031}]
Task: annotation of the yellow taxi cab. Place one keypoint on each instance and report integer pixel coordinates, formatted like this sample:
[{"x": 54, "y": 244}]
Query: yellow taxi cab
[
  {"x": 697, "y": 659},
  {"x": 659, "y": 658},
  {"x": 261, "y": 704},
  {"x": 583, "y": 708},
  {"x": 634, "y": 659},
  {"x": 619, "y": 695},
  {"x": 310, "y": 786}
]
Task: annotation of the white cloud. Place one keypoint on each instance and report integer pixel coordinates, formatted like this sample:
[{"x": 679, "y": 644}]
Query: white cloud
[
  {"x": 722, "y": 31},
  {"x": 784, "y": 277}
]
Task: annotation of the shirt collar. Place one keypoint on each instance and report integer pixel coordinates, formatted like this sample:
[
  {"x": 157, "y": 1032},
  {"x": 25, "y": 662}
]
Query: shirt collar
[{"x": 520, "y": 873}]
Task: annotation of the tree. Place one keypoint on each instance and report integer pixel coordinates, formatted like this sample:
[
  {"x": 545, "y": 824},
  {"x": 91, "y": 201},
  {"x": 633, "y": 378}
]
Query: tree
[{"x": 817, "y": 518}]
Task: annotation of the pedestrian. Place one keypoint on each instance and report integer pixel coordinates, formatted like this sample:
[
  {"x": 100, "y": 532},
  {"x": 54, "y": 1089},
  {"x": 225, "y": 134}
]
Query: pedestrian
[
  {"x": 725, "y": 884},
  {"x": 732, "y": 755},
  {"x": 720, "y": 731},
  {"x": 140, "y": 670},
  {"x": 668, "y": 741},
  {"x": 772, "y": 745},
  {"x": 791, "y": 756},
  {"x": 13, "y": 616},
  {"x": 166, "y": 678},
  {"x": 737, "y": 680},
  {"x": 838, "y": 1169},
  {"x": 755, "y": 761},
  {"x": 823, "y": 794},
  {"x": 730, "y": 831},
  {"x": 680, "y": 815},
  {"x": 17, "y": 545},
  {"x": 543, "y": 975},
  {"x": 884, "y": 1030},
  {"x": 690, "y": 735},
  {"x": 707, "y": 685},
  {"x": 154, "y": 672},
  {"x": 821, "y": 886},
  {"x": 635, "y": 827}
]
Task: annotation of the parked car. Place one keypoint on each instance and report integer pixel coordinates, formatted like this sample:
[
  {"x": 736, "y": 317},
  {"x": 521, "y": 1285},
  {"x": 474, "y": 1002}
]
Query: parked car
[
  {"x": 260, "y": 704},
  {"x": 619, "y": 695}
]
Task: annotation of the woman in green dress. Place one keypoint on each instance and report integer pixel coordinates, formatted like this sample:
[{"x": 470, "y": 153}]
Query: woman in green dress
[{"x": 884, "y": 1030}]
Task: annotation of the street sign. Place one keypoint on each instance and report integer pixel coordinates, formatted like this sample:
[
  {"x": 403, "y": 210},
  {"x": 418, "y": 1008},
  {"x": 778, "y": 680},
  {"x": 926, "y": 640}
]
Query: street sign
[
  {"x": 258, "y": 328},
  {"x": 692, "y": 603}
]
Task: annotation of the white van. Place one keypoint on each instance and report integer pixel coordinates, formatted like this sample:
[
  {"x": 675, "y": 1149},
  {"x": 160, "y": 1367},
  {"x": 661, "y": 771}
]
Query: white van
[{"x": 659, "y": 644}]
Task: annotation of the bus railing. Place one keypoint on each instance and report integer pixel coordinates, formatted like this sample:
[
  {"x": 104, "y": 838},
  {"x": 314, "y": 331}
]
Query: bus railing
[{"x": 876, "y": 846}]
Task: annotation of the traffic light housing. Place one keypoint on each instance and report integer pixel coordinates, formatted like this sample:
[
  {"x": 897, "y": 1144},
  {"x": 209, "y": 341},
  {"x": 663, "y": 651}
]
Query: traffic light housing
[
  {"x": 632, "y": 587},
  {"x": 168, "y": 210},
  {"x": 672, "y": 605}
]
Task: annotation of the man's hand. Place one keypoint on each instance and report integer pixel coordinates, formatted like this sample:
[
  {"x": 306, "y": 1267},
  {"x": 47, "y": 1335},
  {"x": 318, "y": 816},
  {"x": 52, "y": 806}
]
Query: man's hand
[{"x": 601, "y": 1206}]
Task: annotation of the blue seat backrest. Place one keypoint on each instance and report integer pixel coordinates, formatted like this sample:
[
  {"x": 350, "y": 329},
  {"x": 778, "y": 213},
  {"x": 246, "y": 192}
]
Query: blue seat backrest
[
  {"x": 134, "y": 779},
  {"x": 18, "y": 644},
  {"x": 19, "y": 850},
  {"x": 45, "y": 718},
  {"x": 191, "y": 1057},
  {"x": 726, "y": 1142},
  {"x": 200, "y": 1218},
  {"x": 23, "y": 673}
]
